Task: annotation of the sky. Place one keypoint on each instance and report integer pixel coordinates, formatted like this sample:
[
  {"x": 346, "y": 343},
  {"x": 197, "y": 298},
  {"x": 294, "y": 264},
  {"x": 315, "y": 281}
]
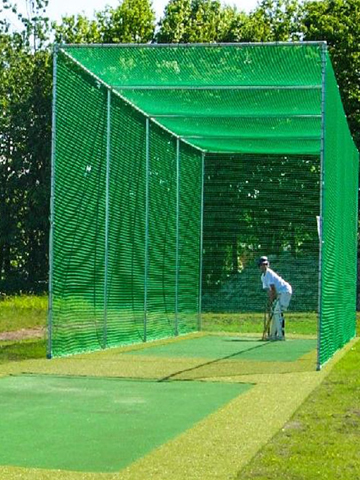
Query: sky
[{"x": 58, "y": 8}]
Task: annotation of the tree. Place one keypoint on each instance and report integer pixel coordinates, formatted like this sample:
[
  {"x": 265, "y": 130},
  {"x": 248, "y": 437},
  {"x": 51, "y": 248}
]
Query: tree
[
  {"x": 133, "y": 21},
  {"x": 25, "y": 97},
  {"x": 199, "y": 21},
  {"x": 338, "y": 22},
  {"x": 274, "y": 21},
  {"x": 77, "y": 29},
  {"x": 175, "y": 23}
]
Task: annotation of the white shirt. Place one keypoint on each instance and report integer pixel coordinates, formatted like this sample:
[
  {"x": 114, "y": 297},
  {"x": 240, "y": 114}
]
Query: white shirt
[{"x": 271, "y": 278}]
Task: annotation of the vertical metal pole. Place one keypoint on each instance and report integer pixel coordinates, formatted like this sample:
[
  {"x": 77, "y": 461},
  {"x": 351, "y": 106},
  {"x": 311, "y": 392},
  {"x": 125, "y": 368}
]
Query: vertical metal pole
[
  {"x": 201, "y": 238},
  {"x": 322, "y": 187},
  {"x": 356, "y": 194},
  {"x": 107, "y": 188},
  {"x": 146, "y": 264},
  {"x": 52, "y": 205},
  {"x": 177, "y": 236}
]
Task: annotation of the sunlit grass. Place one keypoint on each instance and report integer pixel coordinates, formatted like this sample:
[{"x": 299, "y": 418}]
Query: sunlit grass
[
  {"x": 322, "y": 439},
  {"x": 22, "y": 311},
  {"x": 302, "y": 323},
  {"x": 13, "y": 351}
]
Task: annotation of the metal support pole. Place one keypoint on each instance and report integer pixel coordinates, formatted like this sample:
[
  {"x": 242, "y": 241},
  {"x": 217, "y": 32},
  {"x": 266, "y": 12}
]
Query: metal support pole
[
  {"x": 177, "y": 236},
  {"x": 201, "y": 238},
  {"x": 52, "y": 210},
  {"x": 107, "y": 188},
  {"x": 322, "y": 187},
  {"x": 146, "y": 264}
]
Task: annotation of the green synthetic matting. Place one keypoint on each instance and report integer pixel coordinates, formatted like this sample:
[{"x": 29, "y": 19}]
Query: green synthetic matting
[
  {"x": 98, "y": 424},
  {"x": 232, "y": 348}
]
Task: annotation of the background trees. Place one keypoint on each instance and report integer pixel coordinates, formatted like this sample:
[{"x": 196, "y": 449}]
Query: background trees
[
  {"x": 26, "y": 85},
  {"x": 338, "y": 22},
  {"x": 25, "y": 126}
]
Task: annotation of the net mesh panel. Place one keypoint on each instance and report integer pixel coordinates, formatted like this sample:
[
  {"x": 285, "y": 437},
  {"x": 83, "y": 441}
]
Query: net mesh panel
[
  {"x": 255, "y": 113},
  {"x": 81, "y": 319},
  {"x": 208, "y": 65},
  {"x": 256, "y": 204},
  {"x": 341, "y": 164},
  {"x": 162, "y": 234},
  {"x": 126, "y": 245},
  {"x": 78, "y": 293},
  {"x": 215, "y": 89},
  {"x": 190, "y": 192}
]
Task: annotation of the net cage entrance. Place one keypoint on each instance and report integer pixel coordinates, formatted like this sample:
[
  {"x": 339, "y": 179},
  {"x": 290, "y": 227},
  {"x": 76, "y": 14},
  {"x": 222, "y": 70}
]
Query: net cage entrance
[{"x": 174, "y": 167}]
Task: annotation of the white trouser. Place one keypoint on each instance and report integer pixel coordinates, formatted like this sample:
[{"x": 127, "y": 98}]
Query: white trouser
[{"x": 280, "y": 305}]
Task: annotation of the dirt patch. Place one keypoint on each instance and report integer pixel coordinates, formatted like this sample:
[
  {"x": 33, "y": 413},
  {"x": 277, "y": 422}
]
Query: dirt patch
[
  {"x": 23, "y": 334},
  {"x": 293, "y": 425}
]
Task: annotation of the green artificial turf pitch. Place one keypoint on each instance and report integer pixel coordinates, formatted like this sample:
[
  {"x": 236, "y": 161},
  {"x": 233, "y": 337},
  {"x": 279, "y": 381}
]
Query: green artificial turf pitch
[
  {"x": 98, "y": 424},
  {"x": 233, "y": 348}
]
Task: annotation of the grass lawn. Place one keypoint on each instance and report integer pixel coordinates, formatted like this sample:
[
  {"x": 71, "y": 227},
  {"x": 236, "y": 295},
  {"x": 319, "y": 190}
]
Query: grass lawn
[
  {"x": 322, "y": 438},
  {"x": 23, "y": 311},
  {"x": 304, "y": 323},
  {"x": 15, "y": 350}
]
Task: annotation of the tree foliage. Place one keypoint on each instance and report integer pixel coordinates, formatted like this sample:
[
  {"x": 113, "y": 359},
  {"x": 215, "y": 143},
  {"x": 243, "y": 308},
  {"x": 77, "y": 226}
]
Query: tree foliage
[
  {"x": 275, "y": 21},
  {"x": 133, "y": 21},
  {"x": 77, "y": 29},
  {"x": 338, "y": 22},
  {"x": 200, "y": 21},
  {"x": 25, "y": 95}
]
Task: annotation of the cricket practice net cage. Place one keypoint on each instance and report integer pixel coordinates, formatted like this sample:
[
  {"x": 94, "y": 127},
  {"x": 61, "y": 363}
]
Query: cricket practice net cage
[{"x": 174, "y": 167}]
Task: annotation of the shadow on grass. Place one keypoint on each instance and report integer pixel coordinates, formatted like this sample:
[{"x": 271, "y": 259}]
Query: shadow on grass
[{"x": 23, "y": 350}]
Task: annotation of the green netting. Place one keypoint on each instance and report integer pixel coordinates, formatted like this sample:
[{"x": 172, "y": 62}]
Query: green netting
[
  {"x": 126, "y": 225},
  {"x": 217, "y": 102},
  {"x": 114, "y": 212},
  {"x": 260, "y": 204},
  {"x": 79, "y": 235},
  {"x": 147, "y": 135},
  {"x": 208, "y": 65},
  {"x": 189, "y": 249},
  {"x": 259, "y": 145},
  {"x": 280, "y": 87},
  {"x": 340, "y": 224}
]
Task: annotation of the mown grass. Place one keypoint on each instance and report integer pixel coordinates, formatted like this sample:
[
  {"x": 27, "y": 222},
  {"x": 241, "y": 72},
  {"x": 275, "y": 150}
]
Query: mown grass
[
  {"x": 301, "y": 323},
  {"x": 13, "y": 351},
  {"x": 17, "y": 313},
  {"x": 22, "y": 311},
  {"x": 322, "y": 438}
]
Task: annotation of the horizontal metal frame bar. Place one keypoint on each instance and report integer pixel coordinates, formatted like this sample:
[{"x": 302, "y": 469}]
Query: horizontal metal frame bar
[
  {"x": 201, "y": 45},
  {"x": 217, "y": 87},
  {"x": 250, "y": 116},
  {"x": 247, "y": 137},
  {"x": 231, "y": 153}
]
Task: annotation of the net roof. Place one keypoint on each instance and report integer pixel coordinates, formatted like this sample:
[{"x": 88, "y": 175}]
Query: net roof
[{"x": 240, "y": 98}]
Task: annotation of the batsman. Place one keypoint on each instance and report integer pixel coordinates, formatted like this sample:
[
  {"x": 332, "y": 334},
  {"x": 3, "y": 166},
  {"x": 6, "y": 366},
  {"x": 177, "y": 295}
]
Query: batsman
[{"x": 280, "y": 293}]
